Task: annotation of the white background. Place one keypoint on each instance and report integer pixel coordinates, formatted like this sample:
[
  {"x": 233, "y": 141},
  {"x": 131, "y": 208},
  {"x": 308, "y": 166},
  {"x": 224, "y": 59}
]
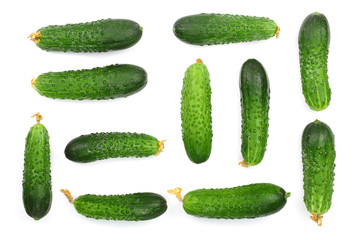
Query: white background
[{"x": 156, "y": 111}]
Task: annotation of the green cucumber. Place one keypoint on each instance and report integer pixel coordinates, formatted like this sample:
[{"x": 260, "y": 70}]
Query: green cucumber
[
  {"x": 196, "y": 112},
  {"x": 248, "y": 201},
  {"x": 97, "y": 36},
  {"x": 37, "y": 193},
  {"x": 314, "y": 40},
  {"x": 114, "y": 81},
  {"x": 255, "y": 97},
  {"x": 318, "y": 157},
  {"x": 98, "y": 146},
  {"x": 129, "y": 207},
  {"x": 210, "y": 29}
]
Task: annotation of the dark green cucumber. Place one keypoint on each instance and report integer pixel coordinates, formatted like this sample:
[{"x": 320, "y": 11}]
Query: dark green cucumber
[
  {"x": 129, "y": 207},
  {"x": 37, "y": 193},
  {"x": 98, "y": 36},
  {"x": 255, "y": 98},
  {"x": 210, "y": 29},
  {"x": 114, "y": 81},
  {"x": 314, "y": 40},
  {"x": 196, "y": 113},
  {"x": 248, "y": 201},
  {"x": 98, "y": 146},
  {"x": 318, "y": 157}
]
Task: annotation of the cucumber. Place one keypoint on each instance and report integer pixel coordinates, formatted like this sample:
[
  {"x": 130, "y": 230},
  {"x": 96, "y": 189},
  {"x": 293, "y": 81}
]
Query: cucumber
[
  {"x": 210, "y": 29},
  {"x": 314, "y": 40},
  {"x": 97, "y": 36},
  {"x": 196, "y": 112},
  {"x": 37, "y": 193},
  {"x": 98, "y": 146},
  {"x": 114, "y": 81},
  {"x": 318, "y": 157},
  {"x": 255, "y": 98},
  {"x": 248, "y": 201},
  {"x": 129, "y": 207}
]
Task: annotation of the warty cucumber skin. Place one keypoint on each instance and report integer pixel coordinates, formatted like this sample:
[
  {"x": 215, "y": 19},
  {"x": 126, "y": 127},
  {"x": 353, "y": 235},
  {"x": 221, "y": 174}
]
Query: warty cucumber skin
[
  {"x": 210, "y": 29},
  {"x": 101, "y": 83},
  {"x": 196, "y": 113},
  {"x": 248, "y": 201},
  {"x": 314, "y": 40},
  {"x": 98, "y": 146},
  {"x": 318, "y": 158},
  {"x": 37, "y": 192},
  {"x": 97, "y": 36},
  {"x": 255, "y": 104},
  {"x": 130, "y": 207}
]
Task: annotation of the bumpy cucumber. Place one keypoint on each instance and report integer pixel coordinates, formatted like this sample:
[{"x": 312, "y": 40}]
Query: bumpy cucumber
[
  {"x": 114, "y": 81},
  {"x": 314, "y": 40},
  {"x": 129, "y": 207},
  {"x": 248, "y": 201},
  {"x": 255, "y": 97},
  {"x": 318, "y": 157},
  {"x": 98, "y": 146},
  {"x": 210, "y": 29},
  {"x": 97, "y": 36},
  {"x": 196, "y": 112},
  {"x": 37, "y": 193}
]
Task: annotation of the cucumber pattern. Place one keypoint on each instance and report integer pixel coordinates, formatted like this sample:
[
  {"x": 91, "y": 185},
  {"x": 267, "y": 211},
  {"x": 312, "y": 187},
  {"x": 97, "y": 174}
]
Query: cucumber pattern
[
  {"x": 129, "y": 207},
  {"x": 318, "y": 157},
  {"x": 255, "y": 98},
  {"x": 37, "y": 193},
  {"x": 248, "y": 201},
  {"x": 97, "y": 36},
  {"x": 196, "y": 113},
  {"x": 98, "y": 146},
  {"x": 314, "y": 40},
  {"x": 211, "y": 29},
  {"x": 114, "y": 81}
]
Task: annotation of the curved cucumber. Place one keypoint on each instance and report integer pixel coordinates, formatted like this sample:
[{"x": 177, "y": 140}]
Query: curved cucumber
[
  {"x": 314, "y": 40},
  {"x": 37, "y": 194},
  {"x": 114, "y": 81},
  {"x": 210, "y": 29},
  {"x": 248, "y": 201},
  {"x": 129, "y": 207},
  {"x": 255, "y": 97},
  {"x": 98, "y": 146},
  {"x": 196, "y": 113},
  {"x": 97, "y": 36},
  {"x": 318, "y": 157}
]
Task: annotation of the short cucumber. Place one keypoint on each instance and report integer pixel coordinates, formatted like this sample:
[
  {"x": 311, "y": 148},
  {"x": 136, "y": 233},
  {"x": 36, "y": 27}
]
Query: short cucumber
[
  {"x": 318, "y": 157},
  {"x": 210, "y": 29},
  {"x": 97, "y": 36},
  {"x": 37, "y": 193},
  {"x": 114, "y": 81},
  {"x": 314, "y": 40},
  {"x": 248, "y": 201},
  {"x": 129, "y": 207},
  {"x": 196, "y": 112},
  {"x": 255, "y": 98},
  {"x": 98, "y": 146}
]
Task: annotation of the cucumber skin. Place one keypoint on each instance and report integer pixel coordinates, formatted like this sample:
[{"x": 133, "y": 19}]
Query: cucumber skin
[
  {"x": 211, "y": 29},
  {"x": 248, "y": 201},
  {"x": 98, "y": 146},
  {"x": 196, "y": 113},
  {"x": 318, "y": 157},
  {"x": 114, "y": 81},
  {"x": 130, "y": 207},
  {"x": 314, "y": 40},
  {"x": 97, "y": 36},
  {"x": 37, "y": 193},
  {"x": 255, "y": 100}
]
